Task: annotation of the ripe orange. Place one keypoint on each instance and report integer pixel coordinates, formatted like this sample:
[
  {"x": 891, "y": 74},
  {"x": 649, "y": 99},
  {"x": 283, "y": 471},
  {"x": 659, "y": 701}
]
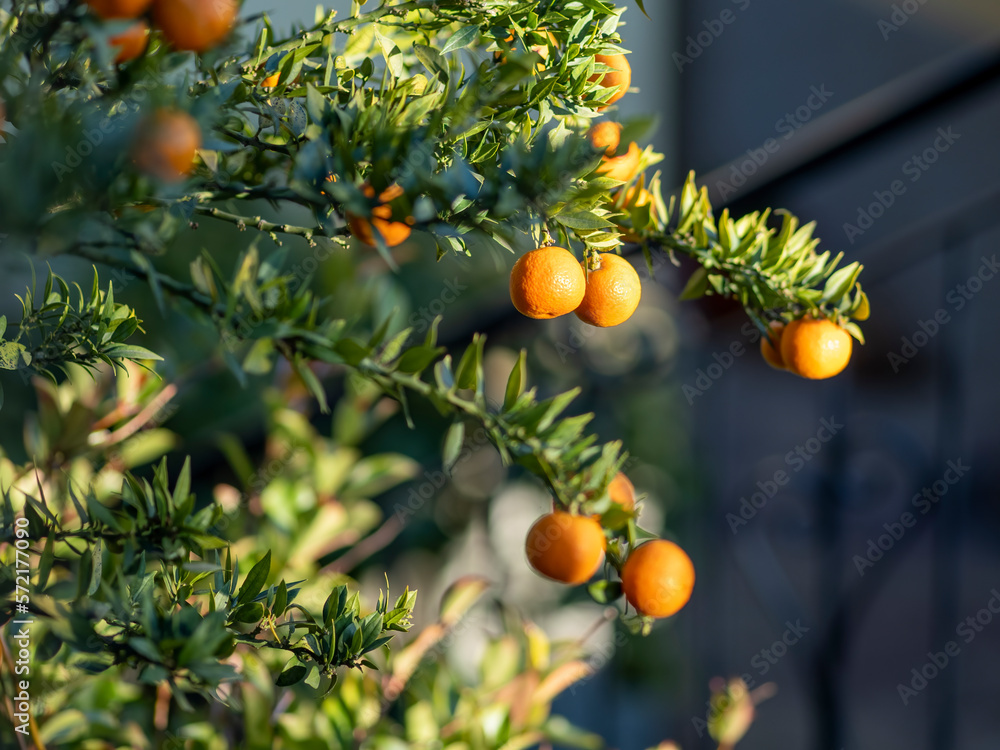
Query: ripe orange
[
  {"x": 618, "y": 79},
  {"x": 195, "y": 25},
  {"x": 271, "y": 81},
  {"x": 393, "y": 232},
  {"x": 109, "y": 9},
  {"x": 130, "y": 43},
  {"x": 539, "y": 49},
  {"x": 622, "y": 168},
  {"x": 658, "y": 577},
  {"x": 622, "y": 491},
  {"x": 605, "y": 135},
  {"x": 613, "y": 293},
  {"x": 547, "y": 282},
  {"x": 770, "y": 345},
  {"x": 815, "y": 348},
  {"x": 167, "y": 145},
  {"x": 566, "y": 548},
  {"x": 644, "y": 198}
]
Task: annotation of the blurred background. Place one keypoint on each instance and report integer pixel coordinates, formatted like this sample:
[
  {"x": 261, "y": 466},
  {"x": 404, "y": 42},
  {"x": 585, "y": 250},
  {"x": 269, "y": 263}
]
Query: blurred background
[{"x": 879, "y": 121}]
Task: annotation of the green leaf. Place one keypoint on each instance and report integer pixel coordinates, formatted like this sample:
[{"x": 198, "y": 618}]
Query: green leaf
[
  {"x": 255, "y": 580},
  {"x": 841, "y": 282},
  {"x": 45, "y": 563},
  {"x": 145, "y": 648},
  {"x": 582, "y": 220},
  {"x": 459, "y": 39},
  {"x": 280, "y": 599},
  {"x": 556, "y": 406},
  {"x": 3, "y": 325},
  {"x": 431, "y": 59},
  {"x": 443, "y": 375},
  {"x": 418, "y": 358},
  {"x": 130, "y": 351},
  {"x": 11, "y": 354},
  {"x": 853, "y": 329},
  {"x": 350, "y": 351},
  {"x": 249, "y": 612},
  {"x": 312, "y": 678},
  {"x": 604, "y": 591},
  {"x": 183, "y": 487},
  {"x": 100, "y": 512},
  {"x": 393, "y": 57},
  {"x": 465, "y": 375},
  {"x": 460, "y": 597},
  {"x": 312, "y": 383},
  {"x": 260, "y": 358},
  {"x": 291, "y": 675},
  {"x": 697, "y": 285},
  {"x": 97, "y": 569},
  {"x": 516, "y": 381},
  {"x": 861, "y": 307},
  {"x": 453, "y": 442}
]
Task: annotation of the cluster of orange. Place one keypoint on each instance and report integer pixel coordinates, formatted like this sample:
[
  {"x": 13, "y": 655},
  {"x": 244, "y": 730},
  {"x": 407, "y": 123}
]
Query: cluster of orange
[
  {"x": 549, "y": 282},
  {"x": 657, "y": 577},
  {"x": 169, "y": 139},
  {"x": 606, "y": 136},
  {"x": 813, "y": 348},
  {"x": 191, "y": 25},
  {"x": 624, "y": 167},
  {"x": 393, "y": 232},
  {"x": 167, "y": 145}
]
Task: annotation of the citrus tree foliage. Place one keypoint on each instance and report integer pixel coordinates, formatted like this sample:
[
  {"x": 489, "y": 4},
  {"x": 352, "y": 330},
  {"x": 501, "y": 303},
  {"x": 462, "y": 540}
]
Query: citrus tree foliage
[{"x": 477, "y": 110}]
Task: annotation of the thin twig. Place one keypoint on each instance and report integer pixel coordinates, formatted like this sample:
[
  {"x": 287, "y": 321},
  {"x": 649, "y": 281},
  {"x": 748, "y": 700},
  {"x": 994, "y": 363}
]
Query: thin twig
[
  {"x": 142, "y": 418},
  {"x": 261, "y": 225},
  {"x": 368, "y": 546}
]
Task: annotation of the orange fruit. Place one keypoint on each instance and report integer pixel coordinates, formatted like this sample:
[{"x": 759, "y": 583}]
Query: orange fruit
[
  {"x": 622, "y": 168},
  {"x": 658, "y": 577},
  {"x": 271, "y": 81},
  {"x": 622, "y": 491},
  {"x": 539, "y": 49},
  {"x": 329, "y": 178},
  {"x": 195, "y": 25},
  {"x": 605, "y": 135},
  {"x": 130, "y": 43},
  {"x": 770, "y": 345},
  {"x": 815, "y": 348},
  {"x": 167, "y": 145},
  {"x": 618, "y": 79},
  {"x": 566, "y": 548},
  {"x": 110, "y": 9},
  {"x": 393, "y": 232},
  {"x": 547, "y": 282},
  {"x": 644, "y": 198},
  {"x": 612, "y": 294}
]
